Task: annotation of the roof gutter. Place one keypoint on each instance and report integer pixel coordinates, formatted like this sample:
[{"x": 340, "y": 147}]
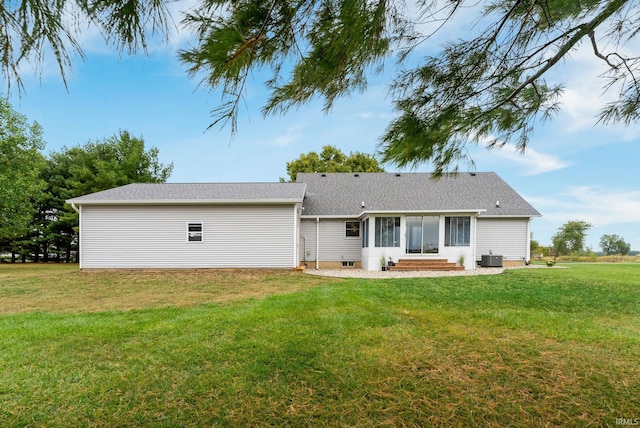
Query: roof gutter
[
  {"x": 185, "y": 202},
  {"x": 512, "y": 216},
  {"x": 474, "y": 210},
  {"x": 363, "y": 213}
]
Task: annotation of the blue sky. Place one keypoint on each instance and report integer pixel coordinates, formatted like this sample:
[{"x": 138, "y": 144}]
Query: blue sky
[{"x": 572, "y": 170}]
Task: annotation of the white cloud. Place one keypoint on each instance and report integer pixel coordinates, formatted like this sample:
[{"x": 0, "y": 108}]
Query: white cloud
[
  {"x": 599, "y": 206},
  {"x": 380, "y": 116},
  {"x": 434, "y": 20},
  {"x": 90, "y": 38},
  {"x": 608, "y": 210},
  {"x": 580, "y": 110},
  {"x": 179, "y": 34},
  {"x": 581, "y": 107},
  {"x": 290, "y": 136},
  {"x": 91, "y": 41},
  {"x": 584, "y": 94},
  {"x": 533, "y": 162}
]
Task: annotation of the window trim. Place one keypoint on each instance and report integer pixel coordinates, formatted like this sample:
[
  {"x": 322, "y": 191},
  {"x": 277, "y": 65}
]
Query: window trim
[
  {"x": 191, "y": 234},
  {"x": 396, "y": 231},
  {"x": 365, "y": 233},
  {"x": 448, "y": 231},
  {"x": 438, "y": 225},
  {"x": 346, "y": 229}
]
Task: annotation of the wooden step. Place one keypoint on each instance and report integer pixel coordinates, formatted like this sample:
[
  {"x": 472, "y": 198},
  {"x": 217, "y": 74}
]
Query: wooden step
[
  {"x": 424, "y": 261},
  {"x": 423, "y": 268},
  {"x": 432, "y": 266},
  {"x": 425, "y": 265}
]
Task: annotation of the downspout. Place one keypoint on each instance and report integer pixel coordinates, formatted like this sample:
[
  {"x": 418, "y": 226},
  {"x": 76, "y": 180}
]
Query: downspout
[
  {"x": 304, "y": 254},
  {"x": 79, "y": 255},
  {"x": 296, "y": 236},
  {"x": 527, "y": 250},
  {"x": 475, "y": 241},
  {"x": 317, "y": 242}
]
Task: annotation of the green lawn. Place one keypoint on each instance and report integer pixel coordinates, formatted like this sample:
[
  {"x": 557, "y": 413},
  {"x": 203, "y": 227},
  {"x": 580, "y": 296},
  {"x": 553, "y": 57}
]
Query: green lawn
[{"x": 530, "y": 347}]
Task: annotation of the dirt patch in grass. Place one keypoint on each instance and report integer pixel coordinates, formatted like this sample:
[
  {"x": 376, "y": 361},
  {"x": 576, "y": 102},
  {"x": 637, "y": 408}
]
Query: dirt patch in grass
[{"x": 63, "y": 288}]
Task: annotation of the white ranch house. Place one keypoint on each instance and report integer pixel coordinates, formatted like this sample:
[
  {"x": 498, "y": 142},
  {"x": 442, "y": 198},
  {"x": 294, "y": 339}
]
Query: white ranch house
[{"x": 332, "y": 220}]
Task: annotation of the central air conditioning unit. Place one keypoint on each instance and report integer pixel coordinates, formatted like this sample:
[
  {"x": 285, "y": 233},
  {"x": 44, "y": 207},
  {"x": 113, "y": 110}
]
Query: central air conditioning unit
[{"x": 490, "y": 260}]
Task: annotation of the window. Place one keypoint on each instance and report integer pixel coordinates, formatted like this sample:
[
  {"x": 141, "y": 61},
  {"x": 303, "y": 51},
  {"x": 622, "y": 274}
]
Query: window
[
  {"x": 387, "y": 232},
  {"x": 423, "y": 234},
  {"x": 348, "y": 264},
  {"x": 194, "y": 232},
  {"x": 352, "y": 229},
  {"x": 365, "y": 233},
  {"x": 457, "y": 231}
]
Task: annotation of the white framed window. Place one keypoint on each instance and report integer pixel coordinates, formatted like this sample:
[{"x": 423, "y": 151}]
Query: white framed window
[
  {"x": 352, "y": 229},
  {"x": 195, "y": 232},
  {"x": 387, "y": 232},
  {"x": 348, "y": 264},
  {"x": 365, "y": 233},
  {"x": 457, "y": 231}
]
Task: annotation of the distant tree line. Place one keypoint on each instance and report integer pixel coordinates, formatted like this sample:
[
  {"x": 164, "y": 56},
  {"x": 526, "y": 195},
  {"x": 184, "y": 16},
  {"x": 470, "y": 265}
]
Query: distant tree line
[
  {"x": 614, "y": 245},
  {"x": 36, "y": 223},
  {"x": 569, "y": 241}
]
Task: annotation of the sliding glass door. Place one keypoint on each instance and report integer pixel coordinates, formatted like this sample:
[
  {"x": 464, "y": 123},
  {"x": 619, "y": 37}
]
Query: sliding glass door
[{"x": 423, "y": 234}]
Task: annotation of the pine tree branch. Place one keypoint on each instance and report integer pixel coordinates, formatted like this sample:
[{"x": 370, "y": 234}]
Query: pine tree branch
[{"x": 579, "y": 33}]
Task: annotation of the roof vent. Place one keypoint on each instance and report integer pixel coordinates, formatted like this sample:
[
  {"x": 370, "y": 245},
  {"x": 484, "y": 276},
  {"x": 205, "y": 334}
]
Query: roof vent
[
  {"x": 473, "y": 174},
  {"x": 497, "y": 204},
  {"x": 356, "y": 175},
  {"x": 323, "y": 175},
  {"x": 397, "y": 174}
]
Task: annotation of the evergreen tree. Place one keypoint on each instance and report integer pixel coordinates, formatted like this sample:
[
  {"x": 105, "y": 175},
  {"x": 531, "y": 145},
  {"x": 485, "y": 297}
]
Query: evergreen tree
[
  {"x": 488, "y": 88},
  {"x": 76, "y": 171},
  {"x": 31, "y": 28}
]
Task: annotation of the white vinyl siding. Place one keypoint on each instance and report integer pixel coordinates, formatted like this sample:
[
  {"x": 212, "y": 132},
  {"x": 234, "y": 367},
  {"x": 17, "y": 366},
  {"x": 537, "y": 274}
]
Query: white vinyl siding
[
  {"x": 334, "y": 246},
  {"x": 506, "y": 237},
  {"x": 154, "y": 237}
]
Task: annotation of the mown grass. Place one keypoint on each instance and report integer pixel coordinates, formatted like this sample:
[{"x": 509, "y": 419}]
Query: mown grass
[
  {"x": 536, "y": 347},
  {"x": 64, "y": 288}
]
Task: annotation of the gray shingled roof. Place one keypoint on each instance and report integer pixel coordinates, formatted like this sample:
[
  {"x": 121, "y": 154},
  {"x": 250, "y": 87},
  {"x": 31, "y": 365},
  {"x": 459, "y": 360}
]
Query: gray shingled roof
[
  {"x": 196, "y": 193},
  {"x": 342, "y": 194}
]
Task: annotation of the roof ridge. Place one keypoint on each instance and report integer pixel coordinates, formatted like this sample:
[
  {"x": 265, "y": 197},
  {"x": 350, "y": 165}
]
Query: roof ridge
[{"x": 206, "y": 183}]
